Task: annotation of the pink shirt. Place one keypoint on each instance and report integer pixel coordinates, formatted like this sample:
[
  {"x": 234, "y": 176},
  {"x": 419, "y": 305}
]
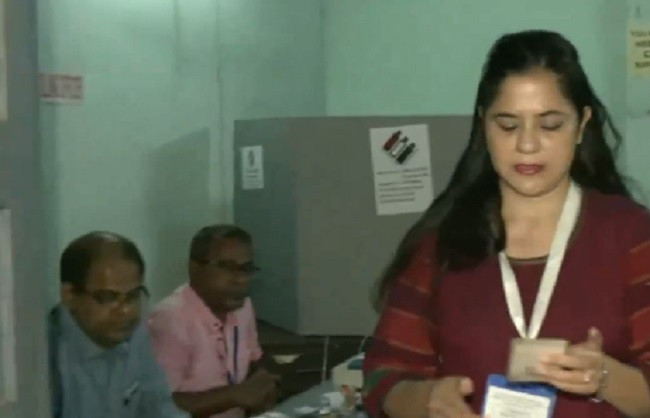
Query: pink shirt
[{"x": 196, "y": 350}]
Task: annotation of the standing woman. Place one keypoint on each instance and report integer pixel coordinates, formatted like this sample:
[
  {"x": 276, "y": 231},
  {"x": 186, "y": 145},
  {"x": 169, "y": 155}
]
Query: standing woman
[{"x": 536, "y": 236}]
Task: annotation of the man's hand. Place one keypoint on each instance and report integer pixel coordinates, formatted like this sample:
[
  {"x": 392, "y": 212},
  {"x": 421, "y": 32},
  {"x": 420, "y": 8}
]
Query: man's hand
[{"x": 258, "y": 392}]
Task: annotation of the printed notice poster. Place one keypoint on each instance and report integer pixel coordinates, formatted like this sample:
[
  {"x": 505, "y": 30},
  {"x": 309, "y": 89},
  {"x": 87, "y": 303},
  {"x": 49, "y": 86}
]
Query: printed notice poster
[
  {"x": 639, "y": 49},
  {"x": 252, "y": 168},
  {"x": 401, "y": 164},
  {"x": 638, "y": 63}
]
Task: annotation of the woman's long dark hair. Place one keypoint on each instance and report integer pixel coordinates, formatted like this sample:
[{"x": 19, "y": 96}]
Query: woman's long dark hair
[{"x": 465, "y": 217}]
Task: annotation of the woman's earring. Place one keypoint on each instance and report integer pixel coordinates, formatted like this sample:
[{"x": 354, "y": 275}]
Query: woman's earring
[{"x": 579, "y": 141}]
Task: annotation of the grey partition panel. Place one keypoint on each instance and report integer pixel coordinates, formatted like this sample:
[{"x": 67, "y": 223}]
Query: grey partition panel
[
  {"x": 269, "y": 215},
  {"x": 318, "y": 213}
]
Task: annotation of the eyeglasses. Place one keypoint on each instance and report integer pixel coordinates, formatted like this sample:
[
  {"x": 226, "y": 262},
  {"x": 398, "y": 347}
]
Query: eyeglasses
[
  {"x": 112, "y": 299},
  {"x": 232, "y": 266}
]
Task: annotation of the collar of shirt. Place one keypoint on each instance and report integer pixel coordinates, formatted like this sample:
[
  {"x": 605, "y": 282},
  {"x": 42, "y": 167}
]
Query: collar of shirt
[
  {"x": 199, "y": 308},
  {"x": 80, "y": 343}
]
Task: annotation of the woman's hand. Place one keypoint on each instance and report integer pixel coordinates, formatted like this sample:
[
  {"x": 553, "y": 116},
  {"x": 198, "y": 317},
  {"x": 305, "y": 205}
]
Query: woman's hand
[
  {"x": 581, "y": 370},
  {"x": 447, "y": 398},
  {"x": 440, "y": 398}
]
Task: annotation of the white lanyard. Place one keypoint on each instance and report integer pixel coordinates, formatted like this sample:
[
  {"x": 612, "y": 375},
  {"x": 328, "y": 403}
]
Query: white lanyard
[{"x": 565, "y": 226}]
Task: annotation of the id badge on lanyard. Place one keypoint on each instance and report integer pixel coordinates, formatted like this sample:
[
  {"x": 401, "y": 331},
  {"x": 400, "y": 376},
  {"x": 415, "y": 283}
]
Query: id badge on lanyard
[
  {"x": 504, "y": 394},
  {"x": 505, "y": 399}
]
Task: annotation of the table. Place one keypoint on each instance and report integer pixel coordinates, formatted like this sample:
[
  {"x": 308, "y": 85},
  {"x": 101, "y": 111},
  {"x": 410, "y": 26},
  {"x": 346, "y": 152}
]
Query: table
[{"x": 311, "y": 398}]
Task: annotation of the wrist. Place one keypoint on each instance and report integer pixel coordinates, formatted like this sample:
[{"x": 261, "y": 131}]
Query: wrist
[
  {"x": 407, "y": 398},
  {"x": 607, "y": 366},
  {"x": 394, "y": 396},
  {"x": 237, "y": 396}
]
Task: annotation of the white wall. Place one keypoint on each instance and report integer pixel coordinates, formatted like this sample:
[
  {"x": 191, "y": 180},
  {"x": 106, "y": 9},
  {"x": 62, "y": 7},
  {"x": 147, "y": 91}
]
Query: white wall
[{"x": 149, "y": 153}]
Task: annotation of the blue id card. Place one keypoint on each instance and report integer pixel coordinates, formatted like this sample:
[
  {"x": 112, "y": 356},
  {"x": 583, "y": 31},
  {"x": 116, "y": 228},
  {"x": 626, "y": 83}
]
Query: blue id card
[{"x": 527, "y": 400}]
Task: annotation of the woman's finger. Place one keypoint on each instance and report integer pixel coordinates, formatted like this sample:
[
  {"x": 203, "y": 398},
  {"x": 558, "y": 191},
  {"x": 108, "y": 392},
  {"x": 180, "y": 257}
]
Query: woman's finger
[
  {"x": 569, "y": 361},
  {"x": 575, "y": 388},
  {"x": 570, "y": 376}
]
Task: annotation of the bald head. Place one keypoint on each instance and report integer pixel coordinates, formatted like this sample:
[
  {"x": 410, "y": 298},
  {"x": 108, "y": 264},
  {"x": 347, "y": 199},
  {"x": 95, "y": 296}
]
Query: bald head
[
  {"x": 80, "y": 254},
  {"x": 102, "y": 286}
]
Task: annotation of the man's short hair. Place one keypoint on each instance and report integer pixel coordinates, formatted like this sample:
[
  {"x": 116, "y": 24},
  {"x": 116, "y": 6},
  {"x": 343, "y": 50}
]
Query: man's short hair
[
  {"x": 81, "y": 253},
  {"x": 212, "y": 234}
]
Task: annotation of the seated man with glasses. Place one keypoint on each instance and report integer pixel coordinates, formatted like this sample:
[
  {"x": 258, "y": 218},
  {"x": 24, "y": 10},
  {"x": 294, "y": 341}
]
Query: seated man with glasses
[
  {"x": 101, "y": 362},
  {"x": 204, "y": 334}
]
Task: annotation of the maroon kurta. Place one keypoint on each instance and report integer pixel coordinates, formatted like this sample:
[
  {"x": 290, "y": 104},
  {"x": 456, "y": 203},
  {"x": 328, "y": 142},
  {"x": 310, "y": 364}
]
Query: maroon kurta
[{"x": 465, "y": 329}]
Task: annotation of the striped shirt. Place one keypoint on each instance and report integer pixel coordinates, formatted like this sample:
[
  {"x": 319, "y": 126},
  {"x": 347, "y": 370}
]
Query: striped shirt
[{"x": 462, "y": 326}]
